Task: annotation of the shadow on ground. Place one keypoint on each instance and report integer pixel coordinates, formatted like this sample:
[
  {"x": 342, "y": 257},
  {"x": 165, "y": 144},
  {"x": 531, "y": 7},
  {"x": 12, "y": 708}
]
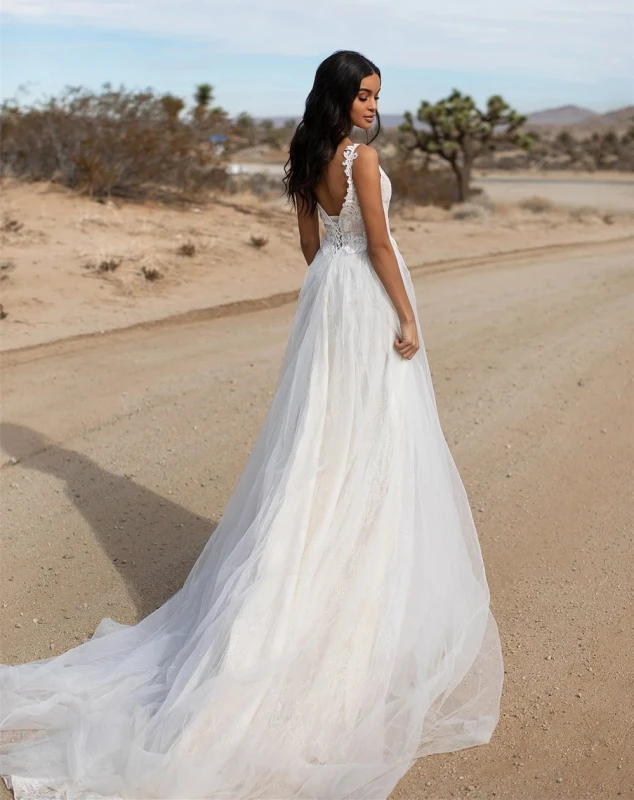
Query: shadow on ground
[{"x": 152, "y": 541}]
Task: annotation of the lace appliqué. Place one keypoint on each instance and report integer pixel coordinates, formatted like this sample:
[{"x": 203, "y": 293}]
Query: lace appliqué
[
  {"x": 350, "y": 219},
  {"x": 347, "y": 231}
]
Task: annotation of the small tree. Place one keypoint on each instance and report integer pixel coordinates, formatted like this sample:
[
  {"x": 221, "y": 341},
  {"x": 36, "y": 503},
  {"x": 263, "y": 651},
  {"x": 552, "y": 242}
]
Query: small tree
[
  {"x": 172, "y": 106},
  {"x": 245, "y": 127},
  {"x": 455, "y": 130}
]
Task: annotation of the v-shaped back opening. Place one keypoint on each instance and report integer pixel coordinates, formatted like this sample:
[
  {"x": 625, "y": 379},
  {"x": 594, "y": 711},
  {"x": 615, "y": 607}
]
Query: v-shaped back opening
[{"x": 345, "y": 163}]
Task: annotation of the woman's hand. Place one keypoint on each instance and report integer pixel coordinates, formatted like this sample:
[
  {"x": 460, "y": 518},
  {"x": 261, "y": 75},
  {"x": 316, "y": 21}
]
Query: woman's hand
[{"x": 407, "y": 345}]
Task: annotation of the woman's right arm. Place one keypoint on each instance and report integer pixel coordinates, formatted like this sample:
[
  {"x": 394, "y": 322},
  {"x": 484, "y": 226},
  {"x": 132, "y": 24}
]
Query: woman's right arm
[{"x": 367, "y": 183}]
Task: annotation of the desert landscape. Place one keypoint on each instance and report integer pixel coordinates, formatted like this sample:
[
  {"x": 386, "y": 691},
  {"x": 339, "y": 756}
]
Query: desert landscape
[
  {"x": 72, "y": 266},
  {"x": 141, "y": 345},
  {"x": 148, "y": 278}
]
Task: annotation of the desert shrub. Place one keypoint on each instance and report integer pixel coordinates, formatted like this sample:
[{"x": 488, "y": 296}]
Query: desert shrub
[
  {"x": 559, "y": 149},
  {"x": 417, "y": 183},
  {"x": 104, "y": 264},
  {"x": 5, "y": 268},
  {"x": 596, "y": 151},
  {"x": 537, "y": 205},
  {"x": 151, "y": 273},
  {"x": 259, "y": 241},
  {"x": 467, "y": 211},
  {"x": 109, "y": 264},
  {"x": 187, "y": 249},
  {"x": 607, "y": 150},
  {"x": 10, "y": 225},
  {"x": 585, "y": 214},
  {"x": 115, "y": 142}
]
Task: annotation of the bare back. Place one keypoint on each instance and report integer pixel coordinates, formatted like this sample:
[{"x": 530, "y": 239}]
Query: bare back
[{"x": 333, "y": 185}]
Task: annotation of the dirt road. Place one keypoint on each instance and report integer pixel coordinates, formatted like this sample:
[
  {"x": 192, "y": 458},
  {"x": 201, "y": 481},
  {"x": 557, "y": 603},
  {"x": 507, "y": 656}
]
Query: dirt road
[
  {"x": 129, "y": 444},
  {"x": 615, "y": 192}
]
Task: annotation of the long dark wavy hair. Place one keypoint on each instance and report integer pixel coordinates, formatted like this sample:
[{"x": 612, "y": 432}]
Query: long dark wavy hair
[{"x": 325, "y": 123}]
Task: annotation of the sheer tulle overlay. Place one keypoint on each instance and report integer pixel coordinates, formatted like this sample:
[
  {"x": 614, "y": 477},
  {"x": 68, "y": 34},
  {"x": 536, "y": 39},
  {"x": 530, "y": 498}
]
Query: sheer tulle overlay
[{"x": 335, "y": 627}]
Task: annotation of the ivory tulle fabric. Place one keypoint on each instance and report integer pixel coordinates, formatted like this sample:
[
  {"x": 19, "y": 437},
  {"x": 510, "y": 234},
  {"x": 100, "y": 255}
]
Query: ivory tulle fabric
[{"x": 335, "y": 627}]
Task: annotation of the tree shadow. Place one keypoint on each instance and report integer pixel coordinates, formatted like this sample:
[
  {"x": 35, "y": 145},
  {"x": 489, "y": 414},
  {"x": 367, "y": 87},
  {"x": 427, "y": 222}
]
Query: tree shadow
[{"x": 152, "y": 541}]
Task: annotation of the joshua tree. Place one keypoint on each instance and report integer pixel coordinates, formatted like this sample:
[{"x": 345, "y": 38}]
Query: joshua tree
[
  {"x": 203, "y": 96},
  {"x": 456, "y": 130}
]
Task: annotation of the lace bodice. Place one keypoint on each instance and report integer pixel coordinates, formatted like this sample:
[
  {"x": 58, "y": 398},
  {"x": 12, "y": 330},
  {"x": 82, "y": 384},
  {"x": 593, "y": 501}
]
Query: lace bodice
[{"x": 346, "y": 231}]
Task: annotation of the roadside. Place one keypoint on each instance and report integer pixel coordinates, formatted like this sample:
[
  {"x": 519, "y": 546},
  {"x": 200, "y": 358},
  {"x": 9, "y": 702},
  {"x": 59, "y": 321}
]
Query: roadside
[{"x": 71, "y": 266}]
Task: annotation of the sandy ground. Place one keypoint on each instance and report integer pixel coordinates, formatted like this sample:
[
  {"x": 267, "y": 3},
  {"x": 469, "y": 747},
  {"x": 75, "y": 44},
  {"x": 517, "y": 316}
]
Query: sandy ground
[
  {"x": 57, "y": 247},
  {"x": 128, "y": 445}
]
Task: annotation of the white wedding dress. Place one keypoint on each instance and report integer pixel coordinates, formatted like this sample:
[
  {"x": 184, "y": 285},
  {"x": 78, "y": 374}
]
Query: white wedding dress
[{"x": 335, "y": 627}]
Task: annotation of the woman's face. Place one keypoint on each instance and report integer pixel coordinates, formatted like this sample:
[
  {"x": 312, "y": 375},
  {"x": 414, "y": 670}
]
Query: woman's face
[{"x": 365, "y": 103}]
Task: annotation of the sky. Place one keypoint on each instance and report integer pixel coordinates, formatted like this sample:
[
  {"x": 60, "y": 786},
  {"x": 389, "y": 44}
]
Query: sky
[{"x": 261, "y": 56}]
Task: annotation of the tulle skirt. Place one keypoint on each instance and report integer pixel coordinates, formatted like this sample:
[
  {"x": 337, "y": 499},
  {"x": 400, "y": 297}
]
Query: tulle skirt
[{"x": 335, "y": 627}]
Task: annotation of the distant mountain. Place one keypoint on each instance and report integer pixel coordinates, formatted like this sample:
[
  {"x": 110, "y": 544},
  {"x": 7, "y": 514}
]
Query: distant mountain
[
  {"x": 613, "y": 119},
  {"x": 564, "y": 115},
  {"x": 393, "y": 120}
]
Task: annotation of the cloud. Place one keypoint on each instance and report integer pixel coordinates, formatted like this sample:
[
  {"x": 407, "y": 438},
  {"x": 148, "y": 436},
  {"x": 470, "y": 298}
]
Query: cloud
[{"x": 580, "y": 41}]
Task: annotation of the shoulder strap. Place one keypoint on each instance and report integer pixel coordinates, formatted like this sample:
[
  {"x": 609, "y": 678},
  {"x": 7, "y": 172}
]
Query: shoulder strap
[{"x": 349, "y": 154}]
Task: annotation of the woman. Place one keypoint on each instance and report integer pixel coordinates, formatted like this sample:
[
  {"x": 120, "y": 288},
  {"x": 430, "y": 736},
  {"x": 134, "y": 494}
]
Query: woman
[{"x": 336, "y": 626}]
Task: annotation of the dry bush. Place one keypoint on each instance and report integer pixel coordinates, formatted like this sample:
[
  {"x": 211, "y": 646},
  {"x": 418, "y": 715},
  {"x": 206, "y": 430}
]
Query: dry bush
[
  {"x": 466, "y": 211},
  {"x": 116, "y": 142},
  {"x": 559, "y": 149},
  {"x": 585, "y": 214},
  {"x": 415, "y": 183},
  {"x": 5, "y": 268},
  {"x": 599, "y": 150},
  {"x": 151, "y": 273},
  {"x": 186, "y": 249},
  {"x": 3, "y": 313},
  {"x": 537, "y": 205},
  {"x": 109, "y": 264},
  {"x": 259, "y": 241},
  {"x": 10, "y": 225}
]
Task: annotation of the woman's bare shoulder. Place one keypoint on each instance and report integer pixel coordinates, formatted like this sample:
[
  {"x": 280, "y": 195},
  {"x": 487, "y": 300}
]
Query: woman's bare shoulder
[
  {"x": 367, "y": 153},
  {"x": 366, "y": 162}
]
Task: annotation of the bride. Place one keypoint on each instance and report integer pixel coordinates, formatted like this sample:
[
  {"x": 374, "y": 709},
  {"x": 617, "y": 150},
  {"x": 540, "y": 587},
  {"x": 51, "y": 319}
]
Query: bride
[{"x": 336, "y": 626}]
